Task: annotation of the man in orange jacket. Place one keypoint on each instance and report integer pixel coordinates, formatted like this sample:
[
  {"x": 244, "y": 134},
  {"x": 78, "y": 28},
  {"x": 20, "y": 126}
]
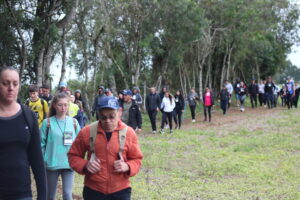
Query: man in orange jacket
[{"x": 107, "y": 169}]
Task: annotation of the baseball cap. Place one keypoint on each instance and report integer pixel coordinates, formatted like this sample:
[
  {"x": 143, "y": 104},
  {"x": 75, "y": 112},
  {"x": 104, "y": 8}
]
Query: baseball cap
[
  {"x": 108, "y": 102},
  {"x": 107, "y": 90},
  {"x": 77, "y": 91},
  {"x": 127, "y": 92},
  {"x": 101, "y": 87},
  {"x": 62, "y": 84}
]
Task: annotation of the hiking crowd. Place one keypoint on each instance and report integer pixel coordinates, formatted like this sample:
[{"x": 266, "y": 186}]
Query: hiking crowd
[{"x": 58, "y": 140}]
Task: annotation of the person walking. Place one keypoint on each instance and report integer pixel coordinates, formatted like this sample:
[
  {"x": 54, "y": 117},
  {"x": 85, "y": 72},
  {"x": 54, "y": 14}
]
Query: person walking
[
  {"x": 236, "y": 88},
  {"x": 276, "y": 94},
  {"x": 269, "y": 92},
  {"x": 208, "y": 102},
  {"x": 282, "y": 96},
  {"x": 46, "y": 93},
  {"x": 101, "y": 90},
  {"x": 131, "y": 114},
  {"x": 296, "y": 97},
  {"x": 38, "y": 105},
  {"x": 20, "y": 148},
  {"x": 162, "y": 95},
  {"x": 253, "y": 91},
  {"x": 261, "y": 93},
  {"x": 224, "y": 98},
  {"x": 192, "y": 100},
  {"x": 167, "y": 106},
  {"x": 152, "y": 107},
  {"x": 242, "y": 93},
  {"x": 290, "y": 93},
  {"x": 78, "y": 97},
  {"x": 107, "y": 153},
  {"x": 58, "y": 133},
  {"x": 137, "y": 97},
  {"x": 179, "y": 108},
  {"x": 229, "y": 88}
]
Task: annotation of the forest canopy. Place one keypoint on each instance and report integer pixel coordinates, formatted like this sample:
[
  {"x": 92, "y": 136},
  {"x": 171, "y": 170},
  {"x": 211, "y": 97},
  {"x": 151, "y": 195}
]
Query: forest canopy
[{"x": 126, "y": 43}]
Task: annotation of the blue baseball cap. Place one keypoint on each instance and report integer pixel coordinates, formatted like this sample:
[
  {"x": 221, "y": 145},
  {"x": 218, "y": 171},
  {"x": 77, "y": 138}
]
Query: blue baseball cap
[
  {"x": 127, "y": 92},
  {"x": 108, "y": 102},
  {"x": 62, "y": 84}
]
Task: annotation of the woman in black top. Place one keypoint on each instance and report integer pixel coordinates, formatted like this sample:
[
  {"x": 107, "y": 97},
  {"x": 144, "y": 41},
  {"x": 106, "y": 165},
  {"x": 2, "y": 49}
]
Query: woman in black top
[
  {"x": 179, "y": 108},
  {"x": 20, "y": 146}
]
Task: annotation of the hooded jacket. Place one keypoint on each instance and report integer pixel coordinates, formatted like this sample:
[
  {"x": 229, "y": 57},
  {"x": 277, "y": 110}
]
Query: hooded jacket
[{"x": 106, "y": 180}]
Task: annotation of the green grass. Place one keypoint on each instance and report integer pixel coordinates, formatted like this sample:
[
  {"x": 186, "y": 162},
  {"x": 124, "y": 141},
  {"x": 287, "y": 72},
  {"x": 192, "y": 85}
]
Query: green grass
[{"x": 244, "y": 164}]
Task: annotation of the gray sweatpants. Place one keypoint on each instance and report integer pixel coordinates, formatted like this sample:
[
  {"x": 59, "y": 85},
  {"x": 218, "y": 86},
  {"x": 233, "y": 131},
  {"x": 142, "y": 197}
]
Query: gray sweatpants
[{"x": 67, "y": 177}]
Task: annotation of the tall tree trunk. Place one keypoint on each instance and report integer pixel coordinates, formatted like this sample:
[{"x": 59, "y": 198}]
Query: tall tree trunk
[{"x": 64, "y": 57}]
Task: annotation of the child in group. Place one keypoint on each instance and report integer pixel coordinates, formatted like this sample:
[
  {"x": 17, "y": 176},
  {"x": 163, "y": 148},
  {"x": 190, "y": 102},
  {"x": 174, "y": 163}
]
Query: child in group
[
  {"x": 57, "y": 135},
  {"x": 208, "y": 102}
]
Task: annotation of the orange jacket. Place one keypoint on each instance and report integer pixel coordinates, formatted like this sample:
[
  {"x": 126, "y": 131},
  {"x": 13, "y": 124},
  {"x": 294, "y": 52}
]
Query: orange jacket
[{"x": 106, "y": 180}]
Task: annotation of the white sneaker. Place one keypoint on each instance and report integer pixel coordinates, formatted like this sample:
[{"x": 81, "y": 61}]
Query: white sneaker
[
  {"x": 193, "y": 121},
  {"x": 162, "y": 131},
  {"x": 166, "y": 126},
  {"x": 154, "y": 132}
]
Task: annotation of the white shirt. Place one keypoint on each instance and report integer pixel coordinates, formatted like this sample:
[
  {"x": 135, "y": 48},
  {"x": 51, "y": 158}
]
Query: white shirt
[
  {"x": 261, "y": 88},
  {"x": 167, "y": 105},
  {"x": 229, "y": 88}
]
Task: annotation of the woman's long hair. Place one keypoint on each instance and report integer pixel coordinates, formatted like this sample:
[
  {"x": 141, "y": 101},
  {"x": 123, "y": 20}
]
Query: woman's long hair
[{"x": 60, "y": 95}]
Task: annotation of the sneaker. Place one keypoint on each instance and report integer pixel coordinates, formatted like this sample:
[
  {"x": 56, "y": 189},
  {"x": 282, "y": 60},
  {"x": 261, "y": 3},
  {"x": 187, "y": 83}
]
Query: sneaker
[
  {"x": 171, "y": 131},
  {"x": 162, "y": 131},
  {"x": 193, "y": 121},
  {"x": 166, "y": 126},
  {"x": 154, "y": 132}
]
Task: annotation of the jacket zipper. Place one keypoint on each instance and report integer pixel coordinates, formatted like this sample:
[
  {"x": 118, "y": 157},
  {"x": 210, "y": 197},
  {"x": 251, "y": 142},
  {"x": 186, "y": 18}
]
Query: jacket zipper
[{"x": 107, "y": 163}]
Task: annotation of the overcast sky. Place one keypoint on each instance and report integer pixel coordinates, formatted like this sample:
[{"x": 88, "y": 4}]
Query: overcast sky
[{"x": 294, "y": 57}]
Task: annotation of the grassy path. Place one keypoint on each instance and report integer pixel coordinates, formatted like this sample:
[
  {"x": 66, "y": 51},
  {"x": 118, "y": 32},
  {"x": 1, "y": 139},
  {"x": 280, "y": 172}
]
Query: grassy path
[{"x": 253, "y": 155}]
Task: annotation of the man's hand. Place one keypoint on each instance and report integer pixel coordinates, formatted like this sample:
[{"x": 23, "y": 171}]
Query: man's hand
[
  {"x": 93, "y": 166},
  {"x": 120, "y": 166}
]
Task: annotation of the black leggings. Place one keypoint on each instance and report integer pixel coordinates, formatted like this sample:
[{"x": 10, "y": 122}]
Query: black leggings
[
  {"x": 89, "y": 194},
  {"x": 207, "y": 109},
  {"x": 177, "y": 116},
  {"x": 166, "y": 115},
  {"x": 193, "y": 108}
]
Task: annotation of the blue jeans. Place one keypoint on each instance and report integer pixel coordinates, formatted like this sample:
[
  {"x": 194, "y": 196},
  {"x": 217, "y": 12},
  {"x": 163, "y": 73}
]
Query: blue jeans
[
  {"x": 89, "y": 194},
  {"x": 67, "y": 176}
]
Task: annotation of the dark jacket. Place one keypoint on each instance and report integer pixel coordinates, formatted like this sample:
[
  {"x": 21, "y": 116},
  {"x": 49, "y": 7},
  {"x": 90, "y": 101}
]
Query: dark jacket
[
  {"x": 211, "y": 97},
  {"x": 96, "y": 101},
  {"x": 253, "y": 89},
  {"x": 135, "y": 116},
  {"x": 269, "y": 88},
  {"x": 224, "y": 95},
  {"x": 242, "y": 90},
  {"x": 152, "y": 102},
  {"x": 179, "y": 101},
  {"x": 236, "y": 87}
]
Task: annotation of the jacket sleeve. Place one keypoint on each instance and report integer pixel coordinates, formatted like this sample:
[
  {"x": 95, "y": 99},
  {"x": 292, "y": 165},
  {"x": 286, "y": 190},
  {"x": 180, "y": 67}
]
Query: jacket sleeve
[
  {"x": 36, "y": 162},
  {"x": 139, "y": 118},
  {"x": 134, "y": 155},
  {"x": 183, "y": 103},
  {"x": 147, "y": 103},
  {"x": 77, "y": 152}
]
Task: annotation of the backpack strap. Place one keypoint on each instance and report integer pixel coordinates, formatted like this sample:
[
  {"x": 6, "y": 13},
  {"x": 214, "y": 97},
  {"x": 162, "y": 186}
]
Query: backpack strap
[
  {"x": 122, "y": 140},
  {"x": 74, "y": 124},
  {"x": 93, "y": 134},
  {"x": 47, "y": 130},
  {"x": 28, "y": 117},
  {"x": 43, "y": 105}
]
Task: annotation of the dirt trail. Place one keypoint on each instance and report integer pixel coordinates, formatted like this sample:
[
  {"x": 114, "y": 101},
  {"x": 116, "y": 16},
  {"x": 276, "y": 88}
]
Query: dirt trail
[{"x": 253, "y": 119}]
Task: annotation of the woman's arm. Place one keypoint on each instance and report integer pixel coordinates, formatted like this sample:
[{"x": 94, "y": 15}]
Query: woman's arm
[{"x": 36, "y": 162}]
